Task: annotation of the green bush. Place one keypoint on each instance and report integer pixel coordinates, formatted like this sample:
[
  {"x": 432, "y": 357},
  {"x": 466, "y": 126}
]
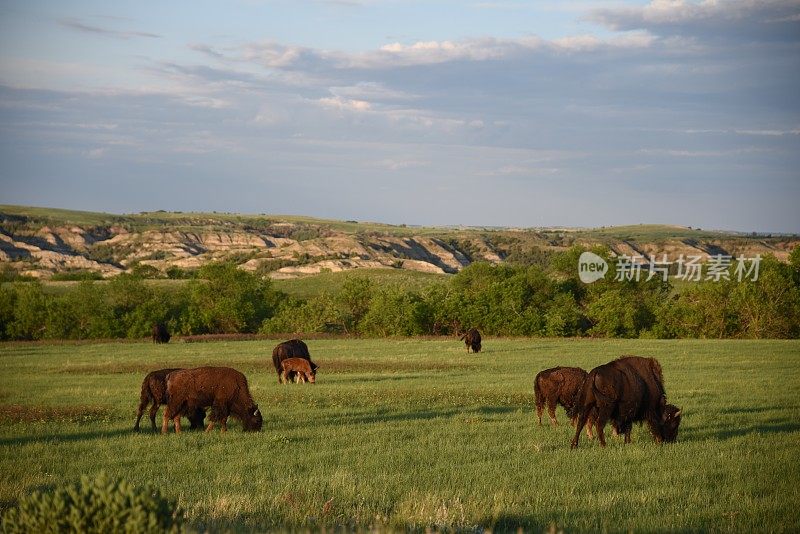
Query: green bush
[{"x": 94, "y": 505}]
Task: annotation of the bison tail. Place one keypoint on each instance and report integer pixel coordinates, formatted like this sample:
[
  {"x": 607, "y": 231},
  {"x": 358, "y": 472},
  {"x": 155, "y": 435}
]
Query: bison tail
[
  {"x": 578, "y": 400},
  {"x": 537, "y": 392}
]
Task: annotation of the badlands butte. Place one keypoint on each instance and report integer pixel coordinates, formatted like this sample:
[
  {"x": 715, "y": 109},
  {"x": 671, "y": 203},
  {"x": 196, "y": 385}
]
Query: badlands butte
[{"x": 41, "y": 242}]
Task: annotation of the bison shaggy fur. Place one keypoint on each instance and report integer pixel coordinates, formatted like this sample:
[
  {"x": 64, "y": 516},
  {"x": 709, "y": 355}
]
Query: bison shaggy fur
[
  {"x": 154, "y": 393},
  {"x": 223, "y": 389},
  {"x": 554, "y": 386},
  {"x": 624, "y": 391}
]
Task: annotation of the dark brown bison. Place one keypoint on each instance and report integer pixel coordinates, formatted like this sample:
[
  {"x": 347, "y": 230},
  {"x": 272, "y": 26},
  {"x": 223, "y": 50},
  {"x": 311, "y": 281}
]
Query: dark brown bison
[
  {"x": 472, "y": 339},
  {"x": 222, "y": 388},
  {"x": 154, "y": 391},
  {"x": 300, "y": 367},
  {"x": 624, "y": 391},
  {"x": 558, "y": 385},
  {"x": 294, "y": 348},
  {"x": 160, "y": 333}
]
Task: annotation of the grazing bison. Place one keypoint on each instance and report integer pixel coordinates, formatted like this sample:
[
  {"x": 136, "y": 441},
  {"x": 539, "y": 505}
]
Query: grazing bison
[
  {"x": 294, "y": 348},
  {"x": 558, "y": 385},
  {"x": 301, "y": 367},
  {"x": 154, "y": 391},
  {"x": 160, "y": 333},
  {"x": 472, "y": 339},
  {"x": 222, "y": 388},
  {"x": 624, "y": 391}
]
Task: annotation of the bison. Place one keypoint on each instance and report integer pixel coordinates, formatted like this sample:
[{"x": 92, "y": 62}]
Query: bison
[
  {"x": 557, "y": 386},
  {"x": 222, "y": 388},
  {"x": 160, "y": 333},
  {"x": 294, "y": 348},
  {"x": 624, "y": 391},
  {"x": 154, "y": 391},
  {"x": 472, "y": 339},
  {"x": 301, "y": 367}
]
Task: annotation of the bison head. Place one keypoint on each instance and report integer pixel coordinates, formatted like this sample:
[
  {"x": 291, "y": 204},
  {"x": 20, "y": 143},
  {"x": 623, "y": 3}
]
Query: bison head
[
  {"x": 670, "y": 420},
  {"x": 253, "y": 421}
]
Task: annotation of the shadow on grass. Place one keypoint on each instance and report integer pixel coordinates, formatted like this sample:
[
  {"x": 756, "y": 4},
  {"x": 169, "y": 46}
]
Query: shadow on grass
[
  {"x": 724, "y": 433},
  {"x": 756, "y": 409},
  {"x": 771, "y": 428},
  {"x": 66, "y": 438}
]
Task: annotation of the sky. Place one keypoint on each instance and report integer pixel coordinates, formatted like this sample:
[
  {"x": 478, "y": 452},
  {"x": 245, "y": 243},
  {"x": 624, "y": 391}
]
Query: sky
[{"x": 431, "y": 112}]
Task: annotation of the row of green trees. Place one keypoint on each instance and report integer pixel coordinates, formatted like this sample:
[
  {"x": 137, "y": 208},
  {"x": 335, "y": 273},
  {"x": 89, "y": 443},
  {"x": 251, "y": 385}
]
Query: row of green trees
[{"x": 508, "y": 300}]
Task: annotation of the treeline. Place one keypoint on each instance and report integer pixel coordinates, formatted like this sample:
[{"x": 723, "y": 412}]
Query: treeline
[{"x": 506, "y": 300}]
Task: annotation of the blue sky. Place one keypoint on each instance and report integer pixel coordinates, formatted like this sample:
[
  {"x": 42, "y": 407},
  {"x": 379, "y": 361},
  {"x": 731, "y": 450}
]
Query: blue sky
[{"x": 508, "y": 113}]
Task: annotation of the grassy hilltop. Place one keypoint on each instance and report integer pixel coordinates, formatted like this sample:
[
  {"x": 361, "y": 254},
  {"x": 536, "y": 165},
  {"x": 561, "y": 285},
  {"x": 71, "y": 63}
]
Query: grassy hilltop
[{"x": 415, "y": 434}]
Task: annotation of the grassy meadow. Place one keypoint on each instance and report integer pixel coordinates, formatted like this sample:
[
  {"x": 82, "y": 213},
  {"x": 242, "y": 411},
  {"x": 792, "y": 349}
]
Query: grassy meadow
[{"x": 416, "y": 434}]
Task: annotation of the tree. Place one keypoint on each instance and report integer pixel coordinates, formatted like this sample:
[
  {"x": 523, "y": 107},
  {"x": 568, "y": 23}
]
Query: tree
[
  {"x": 226, "y": 300},
  {"x": 30, "y": 312}
]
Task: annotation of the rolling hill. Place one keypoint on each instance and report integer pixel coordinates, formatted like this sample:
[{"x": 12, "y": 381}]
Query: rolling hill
[{"x": 41, "y": 242}]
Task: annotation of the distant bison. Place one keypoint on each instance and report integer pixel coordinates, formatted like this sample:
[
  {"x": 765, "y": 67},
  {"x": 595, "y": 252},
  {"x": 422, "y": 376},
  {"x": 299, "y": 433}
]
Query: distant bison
[
  {"x": 294, "y": 348},
  {"x": 222, "y": 388},
  {"x": 624, "y": 391},
  {"x": 299, "y": 366},
  {"x": 554, "y": 386},
  {"x": 472, "y": 339},
  {"x": 154, "y": 391},
  {"x": 160, "y": 333}
]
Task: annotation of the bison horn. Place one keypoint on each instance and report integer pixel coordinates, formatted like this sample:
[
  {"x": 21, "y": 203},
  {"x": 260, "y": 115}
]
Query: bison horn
[{"x": 678, "y": 413}]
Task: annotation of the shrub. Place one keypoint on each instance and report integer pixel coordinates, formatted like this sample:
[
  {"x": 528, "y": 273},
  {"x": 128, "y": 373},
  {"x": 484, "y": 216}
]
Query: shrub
[
  {"x": 76, "y": 276},
  {"x": 94, "y": 505}
]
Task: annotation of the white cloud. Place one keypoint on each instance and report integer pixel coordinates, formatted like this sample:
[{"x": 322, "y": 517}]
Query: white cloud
[
  {"x": 399, "y": 164},
  {"x": 345, "y": 104}
]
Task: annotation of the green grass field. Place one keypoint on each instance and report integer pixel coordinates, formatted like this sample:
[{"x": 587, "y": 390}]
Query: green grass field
[{"x": 416, "y": 434}]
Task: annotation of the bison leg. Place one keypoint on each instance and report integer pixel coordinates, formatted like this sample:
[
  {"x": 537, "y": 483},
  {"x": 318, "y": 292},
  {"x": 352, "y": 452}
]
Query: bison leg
[
  {"x": 177, "y": 421},
  {"x": 139, "y": 413},
  {"x": 219, "y": 414},
  {"x": 584, "y": 416},
  {"x": 539, "y": 408},
  {"x": 655, "y": 429},
  {"x": 551, "y": 411},
  {"x": 589, "y": 429},
  {"x": 165, "y": 423},
  {"x": 153, "y": 413}
]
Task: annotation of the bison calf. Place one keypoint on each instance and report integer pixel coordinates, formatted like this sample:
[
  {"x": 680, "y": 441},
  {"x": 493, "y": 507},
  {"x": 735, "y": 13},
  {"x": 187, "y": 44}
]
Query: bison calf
[
  {"x": 223, "y": 389},
  {"x": 299, "y": 366},
  {"x": 294, "y": 348},
  {"x": 558, "y": 385},
  {"x": 154, "y": 391}
]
